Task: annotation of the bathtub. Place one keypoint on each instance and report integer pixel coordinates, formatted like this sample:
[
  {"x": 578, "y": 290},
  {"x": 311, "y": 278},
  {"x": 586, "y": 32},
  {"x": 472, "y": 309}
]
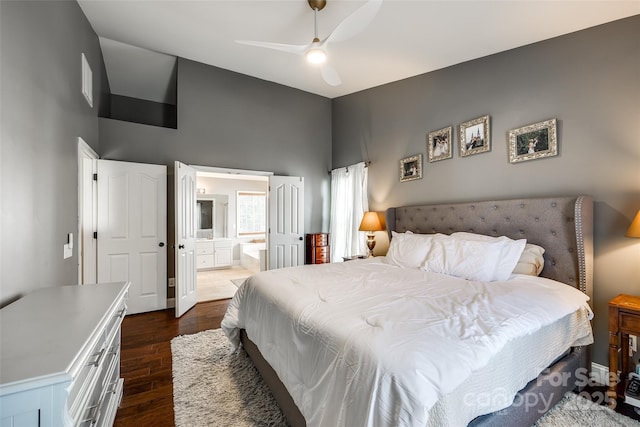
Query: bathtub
[{"x": 253, "y": 256}]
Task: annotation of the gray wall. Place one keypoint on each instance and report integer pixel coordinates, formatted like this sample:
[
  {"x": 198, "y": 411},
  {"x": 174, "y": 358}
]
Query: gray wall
[
  {"x": 589, "y": 81},
  {"x": 43, "y": 112},
  {"x": 230, "y": 120},
  {"x": 143, "y": 111}
]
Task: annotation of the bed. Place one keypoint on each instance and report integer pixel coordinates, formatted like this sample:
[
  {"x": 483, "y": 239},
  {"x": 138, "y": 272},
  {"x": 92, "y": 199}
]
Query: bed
[{"x": 455, "y": 385}]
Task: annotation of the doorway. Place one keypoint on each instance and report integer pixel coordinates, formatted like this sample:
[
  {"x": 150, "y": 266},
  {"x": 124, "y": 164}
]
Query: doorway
[{"x": 231, "y": 230}]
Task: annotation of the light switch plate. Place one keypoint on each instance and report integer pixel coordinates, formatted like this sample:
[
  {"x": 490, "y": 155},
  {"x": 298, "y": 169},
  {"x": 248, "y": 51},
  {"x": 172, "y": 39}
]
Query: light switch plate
[{"x": 68, "y": 251}]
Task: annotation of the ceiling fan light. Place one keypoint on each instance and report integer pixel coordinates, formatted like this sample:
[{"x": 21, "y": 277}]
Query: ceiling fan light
[{"x": 316, "y": 56}]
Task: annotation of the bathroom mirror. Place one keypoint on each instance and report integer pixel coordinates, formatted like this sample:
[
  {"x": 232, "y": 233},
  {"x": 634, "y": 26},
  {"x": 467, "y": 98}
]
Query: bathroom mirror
[{"x": 212, "y": 215}]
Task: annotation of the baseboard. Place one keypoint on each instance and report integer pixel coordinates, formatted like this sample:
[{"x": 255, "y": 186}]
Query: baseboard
[
  {"x": 600, "y": 373},
  {"x": 171, "y": 302}
]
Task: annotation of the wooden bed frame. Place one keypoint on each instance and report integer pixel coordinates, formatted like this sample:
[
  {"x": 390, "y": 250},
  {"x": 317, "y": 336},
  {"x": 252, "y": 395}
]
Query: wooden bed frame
[{"x": 562, "y": 225}]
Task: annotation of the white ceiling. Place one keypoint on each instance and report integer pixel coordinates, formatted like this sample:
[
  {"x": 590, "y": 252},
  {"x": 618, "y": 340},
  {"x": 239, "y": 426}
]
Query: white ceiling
[{"x": 406, "y": 38}]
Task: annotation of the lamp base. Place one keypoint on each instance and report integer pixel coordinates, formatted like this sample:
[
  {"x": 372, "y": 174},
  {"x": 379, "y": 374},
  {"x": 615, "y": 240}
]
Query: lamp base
[{"x": 371, "y": 243}]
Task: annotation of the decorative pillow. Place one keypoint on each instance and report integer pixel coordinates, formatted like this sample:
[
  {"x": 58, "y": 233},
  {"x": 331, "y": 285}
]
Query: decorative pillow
[
  {"x": 409, "y": 250},
  {"x": 531, "y": 261},
  {"x": 509, "y": 256},
  {"x": 468, "y": 259}
]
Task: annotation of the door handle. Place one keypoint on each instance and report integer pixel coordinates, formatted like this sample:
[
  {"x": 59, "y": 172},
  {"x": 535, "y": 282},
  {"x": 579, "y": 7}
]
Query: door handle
[
  {"x": 161, "y": 244},
  {"x": 300, "y": 238},
  {"x": 180, "y": 246}
]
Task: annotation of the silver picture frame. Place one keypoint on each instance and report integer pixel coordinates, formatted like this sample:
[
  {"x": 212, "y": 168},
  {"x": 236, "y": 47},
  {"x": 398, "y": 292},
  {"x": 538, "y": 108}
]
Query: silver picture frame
[
  {"x": 440, "y": 144},
  {"x": 411, "y": 168},
  {"x": 534, "y": 141},
  {"x": 475, "y": 136}
]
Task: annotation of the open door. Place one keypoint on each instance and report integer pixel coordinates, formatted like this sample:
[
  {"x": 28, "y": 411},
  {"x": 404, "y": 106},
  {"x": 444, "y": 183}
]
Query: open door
[
  {"x": 286, "y": 221},
  {"x": 132, "y": 231},
  {"x": 87, "y": 214},
  {"x": 185, "y": 238}
]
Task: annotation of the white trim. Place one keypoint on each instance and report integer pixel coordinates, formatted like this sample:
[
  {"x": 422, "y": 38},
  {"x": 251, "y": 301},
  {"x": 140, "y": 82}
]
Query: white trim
[
  {"x": 600, "y": 373},
  {"x": 216, "y": 172},
  {"x": 84, "y": 152}
]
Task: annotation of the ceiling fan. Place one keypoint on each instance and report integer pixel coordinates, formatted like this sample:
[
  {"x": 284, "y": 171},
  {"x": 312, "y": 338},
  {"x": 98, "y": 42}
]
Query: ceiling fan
[{"x": 316, "y": 51}]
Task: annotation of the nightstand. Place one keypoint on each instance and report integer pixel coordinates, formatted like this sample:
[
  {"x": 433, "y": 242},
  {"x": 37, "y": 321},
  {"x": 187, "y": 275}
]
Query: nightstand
[{"x": 624, "y": 320}]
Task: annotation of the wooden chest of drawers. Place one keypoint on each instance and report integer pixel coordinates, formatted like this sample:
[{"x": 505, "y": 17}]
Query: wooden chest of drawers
[{"x": 317, "y": 248}]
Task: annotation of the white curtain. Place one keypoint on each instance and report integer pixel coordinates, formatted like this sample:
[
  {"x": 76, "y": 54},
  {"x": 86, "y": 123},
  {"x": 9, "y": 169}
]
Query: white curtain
[{"x": 348, "y": 205}]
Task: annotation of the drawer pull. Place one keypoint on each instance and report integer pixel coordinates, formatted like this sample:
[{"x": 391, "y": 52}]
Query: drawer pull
[
  {"x": 113, "y": 387},
  {"x": 98, "y": 359},
  {"x": 94, "y": 414},
  {"x": 113, "y": 350}
]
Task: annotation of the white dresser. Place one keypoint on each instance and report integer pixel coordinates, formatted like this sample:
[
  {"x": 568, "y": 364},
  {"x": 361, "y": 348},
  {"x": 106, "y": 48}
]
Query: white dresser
[{"x": 60, "y": 356}]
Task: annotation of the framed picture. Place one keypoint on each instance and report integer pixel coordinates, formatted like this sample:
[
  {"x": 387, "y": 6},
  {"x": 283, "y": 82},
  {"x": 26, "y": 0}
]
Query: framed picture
[
  {"x": 474, "y": 136},
  {"x": 411, "y": 168},
  {"x": 533, "y": 142},
  {"x": 439, "y": 145}
]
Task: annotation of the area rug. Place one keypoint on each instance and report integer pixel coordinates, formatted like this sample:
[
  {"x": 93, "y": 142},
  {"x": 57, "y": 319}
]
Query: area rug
[{"x": 214, "y": 387}]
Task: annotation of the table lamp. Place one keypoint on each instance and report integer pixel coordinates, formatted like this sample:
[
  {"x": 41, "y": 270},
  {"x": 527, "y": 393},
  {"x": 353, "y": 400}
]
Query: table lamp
[
  {"x": 372, "y": 222},
  {"x": 634, "y": 228}
]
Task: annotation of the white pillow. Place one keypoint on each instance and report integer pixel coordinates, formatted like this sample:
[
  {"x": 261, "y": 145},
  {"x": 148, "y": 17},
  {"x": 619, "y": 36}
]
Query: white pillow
[
  {"x": 531, "y": 261},
  {"x": 468, "y": 259},
  {"x": 509, "y": 256},
  {"x": 409, "y": 250}
]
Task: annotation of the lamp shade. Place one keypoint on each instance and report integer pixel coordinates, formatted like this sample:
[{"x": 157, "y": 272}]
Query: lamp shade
[
  {"x": 372, "y": 221},
  {"x": 634, "y": 228}
]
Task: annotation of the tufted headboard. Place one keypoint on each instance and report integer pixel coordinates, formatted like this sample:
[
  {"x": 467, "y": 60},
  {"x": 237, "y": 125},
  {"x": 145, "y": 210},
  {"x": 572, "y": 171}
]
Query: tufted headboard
[{"x": 561, "y": 225}]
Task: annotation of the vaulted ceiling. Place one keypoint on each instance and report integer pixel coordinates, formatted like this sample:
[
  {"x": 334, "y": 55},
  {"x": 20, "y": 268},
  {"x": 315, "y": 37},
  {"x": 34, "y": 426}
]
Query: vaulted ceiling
[{"x": 404, "y": 39}]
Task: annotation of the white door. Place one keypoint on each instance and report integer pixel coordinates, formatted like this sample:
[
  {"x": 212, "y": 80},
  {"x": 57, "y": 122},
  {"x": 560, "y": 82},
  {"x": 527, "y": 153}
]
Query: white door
[
  {"x": 286, "y": 221},
  {"x": 132, "y": 231},
  {"x": 185, "y": 238},
  {"x": 87, "y": 214}
]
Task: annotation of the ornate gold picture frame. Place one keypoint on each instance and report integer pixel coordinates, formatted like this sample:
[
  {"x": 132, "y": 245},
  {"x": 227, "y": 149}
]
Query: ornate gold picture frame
[
  {"x": 440, "y": 144},
  {"x": 533, "y": 141},
  {"x": 411, "y": 168},
  {"x": 475, "y": 136}
]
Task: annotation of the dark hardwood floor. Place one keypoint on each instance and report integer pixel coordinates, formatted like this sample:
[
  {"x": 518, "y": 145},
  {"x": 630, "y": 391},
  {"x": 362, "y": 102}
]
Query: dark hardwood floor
[
  {"x": 146, "y": 360},
  {"x": 146, "y": 363}
]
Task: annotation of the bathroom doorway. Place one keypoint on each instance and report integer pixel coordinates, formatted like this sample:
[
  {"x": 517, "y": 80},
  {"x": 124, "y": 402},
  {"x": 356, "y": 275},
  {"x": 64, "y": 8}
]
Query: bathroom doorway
[{"x": 231, "y": 219}]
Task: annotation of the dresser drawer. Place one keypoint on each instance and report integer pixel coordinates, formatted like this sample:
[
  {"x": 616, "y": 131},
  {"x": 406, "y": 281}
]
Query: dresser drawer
[
  {"x": 317, "y": 248},
  {"x": 93, "y": 371},
  {"x": 86, "y": 380},
  {"x": 629, "y": 321},
  {"x": 205, "y": 251},
  {"x": 320, "y": 255},
  {"x": 204, "y": 261},
  {"x": 95, "y": 411},
  {"x": 204, "y": 248},
  {"x": 321, "y": 252},
  {"x": 318, "y": 239}
]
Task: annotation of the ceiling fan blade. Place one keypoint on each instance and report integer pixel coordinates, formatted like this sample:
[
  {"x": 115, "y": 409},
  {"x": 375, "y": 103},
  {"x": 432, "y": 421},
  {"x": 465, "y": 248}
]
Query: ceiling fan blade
[
  {"x": 330, "y": 75},
  {"x": 298, "y": 49},
  {"x": 355, "y": 23}
]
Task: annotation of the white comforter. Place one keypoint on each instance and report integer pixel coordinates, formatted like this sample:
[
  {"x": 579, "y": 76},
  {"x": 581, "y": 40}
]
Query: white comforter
[{"x": 364, "y": 343}]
